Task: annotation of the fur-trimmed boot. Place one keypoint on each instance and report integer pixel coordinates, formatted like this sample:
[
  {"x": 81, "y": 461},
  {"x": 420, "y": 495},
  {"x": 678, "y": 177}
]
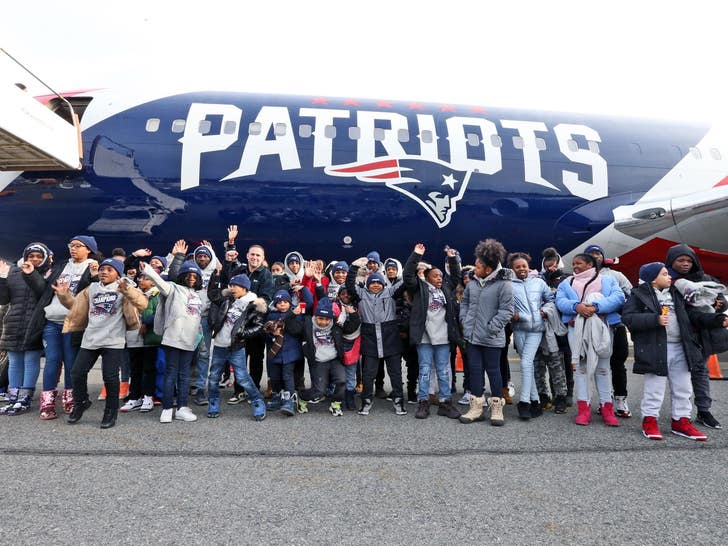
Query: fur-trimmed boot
[{"x": 48, "y": 405}]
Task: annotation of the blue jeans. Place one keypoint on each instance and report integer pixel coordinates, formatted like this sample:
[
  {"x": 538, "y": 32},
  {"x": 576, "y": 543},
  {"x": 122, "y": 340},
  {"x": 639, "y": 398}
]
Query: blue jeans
[
  {"x": 440, "y": 355},
  {"x": 527, "y": 344},
  {"x": 23, "y": 369},
  {"x": 176, "y": 374},
  {"x": 485, "y": 359},
  {"x": 203, "y": 355},
  {"x": 58, "y": 352},
  {"x": 281, "y": 376},
  {"x": 221, "y": 356},
  {"x": 350, "y": 371}
]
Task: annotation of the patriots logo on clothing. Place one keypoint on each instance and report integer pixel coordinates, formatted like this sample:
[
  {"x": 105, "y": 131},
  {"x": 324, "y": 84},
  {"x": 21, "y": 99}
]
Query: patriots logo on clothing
[
  {"x": 194, "y": 304},
  {"x": 104, "y": 303},
  {"x": 233, "y": 314},
  {"x": 71, "y": 280},
  {"x": 437, "y": 299},
  {"x": 322, "y": 338},
  {"x": 434, "y": 184}
]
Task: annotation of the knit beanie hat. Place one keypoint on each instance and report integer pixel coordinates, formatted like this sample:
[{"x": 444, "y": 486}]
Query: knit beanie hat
[
  {"x": 87, "y": 240},
  {"x": 324, "y": 308},
  {"x": 597, "y": 248},
  {"x": 40, "y": 248},
  {"x": 649, "y": 272},
  {"x": 375, "y": 277},
  {"x": 161, "y": 259},
  {"x": 390, "y": 263},
  {"x": 293, "y": 258},
  {"x": 281, "y": 295},
  {"x": 340, "y": 266},
  {"x": 202, "y": 249},
  {"x": 240, "y": 280},
  {"x": 118, "y": 265},
  {"x": 373, "y": 256}
]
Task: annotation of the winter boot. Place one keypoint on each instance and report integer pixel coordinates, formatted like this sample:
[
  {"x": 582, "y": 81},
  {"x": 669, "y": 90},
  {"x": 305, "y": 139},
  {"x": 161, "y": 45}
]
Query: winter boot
[
  {"x": 48, "y": 405},
  {"x": 12, "y": 400},
  {"x": 446, "y": 409},
  {"x": 423, "y": 409},
  {"x": 536, "y": 410},
  {"x": 67, "y": 400},
  {"x": 546, "y": 403},
  {"x": 524, "y": 411},
  {"x": 349, "y": 402},
  {"x": 475, "y": 413},
  {"x": 608, "y": 415},
  {"x": 274, "y": 402},
  {"x": 560, "y": 404},
  {"x": 258, "y": 409},
  {"x": 79, "y": 406},
  {"x": 25, "y": 397},
  {"x": 496, "y": 411},
  {"x": 507, "y": 396},
  {"x": 584, "y": 415},
  {"x": 109, "y": 419},
  {"x": 287, "y": 404}
]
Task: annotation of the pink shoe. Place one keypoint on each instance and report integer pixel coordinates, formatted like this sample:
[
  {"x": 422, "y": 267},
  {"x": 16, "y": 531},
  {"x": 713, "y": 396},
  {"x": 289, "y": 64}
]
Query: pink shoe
[
  {"x": 48, "y": 405},
  {"x": 67, "y": 400},
  {"x": 608, "y": 415},
  {"x": 584, "y": 415}
]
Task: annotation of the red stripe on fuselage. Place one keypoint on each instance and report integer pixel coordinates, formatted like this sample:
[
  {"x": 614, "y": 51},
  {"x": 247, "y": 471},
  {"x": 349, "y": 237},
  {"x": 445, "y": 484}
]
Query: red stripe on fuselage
[
  {"x": 723, "y": 182},
  {"x": 387, "y": 164}
]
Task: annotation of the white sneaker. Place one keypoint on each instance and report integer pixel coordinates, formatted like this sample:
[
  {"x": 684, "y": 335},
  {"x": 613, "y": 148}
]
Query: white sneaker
[
  {"x": 621, "y": 409},
  {"x": 131, "y": 405},
  {"x": 147, "y": 404},
  {"x": 511, "y": 389},
  {"x": 465, "y": 400},
  {"x": 185, "y": 414},
  {"x": 166, "y": 416}
]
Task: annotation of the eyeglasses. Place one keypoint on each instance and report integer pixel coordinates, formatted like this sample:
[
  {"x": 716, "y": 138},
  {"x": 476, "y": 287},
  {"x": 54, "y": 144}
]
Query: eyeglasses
[{"x": 76, "y": 245}]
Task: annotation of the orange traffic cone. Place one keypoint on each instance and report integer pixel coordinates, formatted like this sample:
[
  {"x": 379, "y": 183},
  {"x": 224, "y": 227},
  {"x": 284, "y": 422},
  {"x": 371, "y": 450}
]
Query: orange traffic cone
[
  {"x": 714, "y": 369},
  {"x": 459, "y": 367}
]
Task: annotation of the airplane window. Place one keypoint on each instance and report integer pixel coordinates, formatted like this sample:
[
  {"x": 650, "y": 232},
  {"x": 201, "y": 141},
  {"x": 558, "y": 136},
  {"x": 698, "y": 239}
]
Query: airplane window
[
  {"x": 178, "y": 126},
  {"x": 572, "y": 145},
  {"x": 695, "y": 153},
  {"x": 330, "y": 131},
  {"x": 354, "y": 133},
  {"x": 378, "y": 134},
  {"x": 540, "y": 143},
  {"x": 593, "y": 146},
  {"x": 205, "y": 126},
  {"x": 254, "y": 128},
  {"x": 518, "y": 143},
  {"x": 403, "y": 135},
  {"x": 715, "y": 152},
  {"x": 496, "y": 141},
  {"x": 473, "y": 139},
  {"x": 152, "y": 125},
  {"x": 279, "y": 129},
  {"x": 426, "y": 136},
  {"x": 305, "y": 130},
  {"x": 230, "y": 127}
]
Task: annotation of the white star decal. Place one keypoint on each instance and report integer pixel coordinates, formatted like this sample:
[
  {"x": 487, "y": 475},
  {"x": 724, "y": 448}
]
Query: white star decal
[{"x": 449, "y": 180}]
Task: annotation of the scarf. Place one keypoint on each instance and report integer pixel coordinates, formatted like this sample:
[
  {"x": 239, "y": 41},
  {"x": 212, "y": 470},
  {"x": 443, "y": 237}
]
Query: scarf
[{"x": 585, "y": 283}]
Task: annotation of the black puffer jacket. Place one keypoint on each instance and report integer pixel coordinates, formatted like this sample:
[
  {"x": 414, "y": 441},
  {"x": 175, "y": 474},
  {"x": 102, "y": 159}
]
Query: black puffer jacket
[
  {"x": 641, "y": 313},
  {"x": 19, "y": 332}
]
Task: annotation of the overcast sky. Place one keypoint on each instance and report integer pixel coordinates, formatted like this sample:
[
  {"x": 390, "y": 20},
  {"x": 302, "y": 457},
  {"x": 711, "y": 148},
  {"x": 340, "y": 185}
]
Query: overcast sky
[{"x": 657, "y": 59}]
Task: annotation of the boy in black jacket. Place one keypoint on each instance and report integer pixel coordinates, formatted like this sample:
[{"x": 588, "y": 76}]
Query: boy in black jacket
[{"x": 666, "y": 347}]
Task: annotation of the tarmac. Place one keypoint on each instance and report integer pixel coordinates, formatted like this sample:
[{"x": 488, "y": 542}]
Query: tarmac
[{"x": 317, "y": 479}]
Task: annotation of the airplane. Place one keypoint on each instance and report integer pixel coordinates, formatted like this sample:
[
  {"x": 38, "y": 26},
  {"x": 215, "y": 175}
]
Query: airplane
[{"x": 335, "y": 178}]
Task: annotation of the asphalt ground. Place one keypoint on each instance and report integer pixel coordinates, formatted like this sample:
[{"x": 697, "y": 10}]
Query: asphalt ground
[{"x": 316, "y": 479}]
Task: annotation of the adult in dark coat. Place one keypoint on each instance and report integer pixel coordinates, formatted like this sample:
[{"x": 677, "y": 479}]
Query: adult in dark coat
[{"x": 683, "y": 263}]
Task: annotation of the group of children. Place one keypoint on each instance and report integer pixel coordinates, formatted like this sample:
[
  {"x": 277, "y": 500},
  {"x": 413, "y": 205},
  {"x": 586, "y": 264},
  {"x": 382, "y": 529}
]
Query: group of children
[{"x": 182, "y": 314}]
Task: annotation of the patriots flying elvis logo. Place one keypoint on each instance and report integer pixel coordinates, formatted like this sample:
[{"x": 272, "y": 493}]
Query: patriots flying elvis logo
[{"x": 434, "y": 184}]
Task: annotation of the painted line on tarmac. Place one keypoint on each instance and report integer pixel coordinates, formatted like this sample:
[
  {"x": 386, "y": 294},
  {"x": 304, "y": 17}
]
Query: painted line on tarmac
[{"x": 216, "y": 454}]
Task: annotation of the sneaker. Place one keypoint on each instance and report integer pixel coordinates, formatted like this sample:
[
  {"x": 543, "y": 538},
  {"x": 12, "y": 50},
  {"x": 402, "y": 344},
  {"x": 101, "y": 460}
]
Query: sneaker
[
  {"x": 335, "y": 409},
  {"x": 465, "y": 400},
  {"x": 237, "y": 398},
  {"x": 683, "y": 427},
  {"x": 621, "y": 409},
  {"x": 157, "y": 401},
  {"x": 258, "y": 409},
  {"x": 200, "y": 399},
  {"x": 185, "y": 414},
  {"x": 131, "y": 405},
  {"x": 366, "y": 407},
  {"x": 300, "y": 405},
  {"x": 316, "y": 399},
  {"x": 399, "y": 408},
  {"x": 166, "y": 416},
  {"x": 650, "y": 429},
  {"x": 147, "y": 404},
  {"x": 412, "y": 398},
  {"x": 4, "y": 396},
  {"x": 706, "y": 419}
]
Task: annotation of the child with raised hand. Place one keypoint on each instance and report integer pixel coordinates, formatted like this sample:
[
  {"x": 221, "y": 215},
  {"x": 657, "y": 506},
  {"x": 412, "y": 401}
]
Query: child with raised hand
[
  {"x": 666, "y": 347},
  {"x": 237, "y": 315},
  {"x": 104, "y": 311},
  {"x": 178, "y": 318}
]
